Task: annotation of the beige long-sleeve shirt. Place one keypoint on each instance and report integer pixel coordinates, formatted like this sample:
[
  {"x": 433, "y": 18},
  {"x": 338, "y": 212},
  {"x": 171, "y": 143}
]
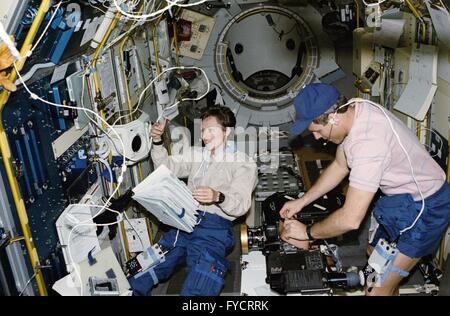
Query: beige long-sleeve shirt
[{"x": 232, "y": 173}]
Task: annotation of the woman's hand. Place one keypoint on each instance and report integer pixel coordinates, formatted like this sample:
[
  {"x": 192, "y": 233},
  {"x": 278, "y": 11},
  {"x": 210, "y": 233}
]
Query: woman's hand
[
  {"x": 157, "y": 130},
  {"x": 205, "y": 195}
]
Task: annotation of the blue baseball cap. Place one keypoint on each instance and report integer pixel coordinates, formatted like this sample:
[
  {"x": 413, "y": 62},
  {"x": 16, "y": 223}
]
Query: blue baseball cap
[{"x": 314, "y": 100}]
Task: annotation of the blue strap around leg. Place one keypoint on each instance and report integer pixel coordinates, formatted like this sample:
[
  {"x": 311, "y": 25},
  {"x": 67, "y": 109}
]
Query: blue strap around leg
[
  {"x": 386, "y": 255},
  {"x": 153, "y": 275},
  {"x": 395, "y": 269}
]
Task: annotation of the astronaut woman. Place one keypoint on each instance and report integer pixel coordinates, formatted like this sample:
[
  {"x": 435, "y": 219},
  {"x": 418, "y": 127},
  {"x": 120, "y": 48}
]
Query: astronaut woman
[{"x": 221, "y": 180}]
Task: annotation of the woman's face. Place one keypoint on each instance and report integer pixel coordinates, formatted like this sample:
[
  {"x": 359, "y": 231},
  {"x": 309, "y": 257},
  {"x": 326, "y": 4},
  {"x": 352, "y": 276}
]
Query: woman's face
[{"x": 214, "y": 135}]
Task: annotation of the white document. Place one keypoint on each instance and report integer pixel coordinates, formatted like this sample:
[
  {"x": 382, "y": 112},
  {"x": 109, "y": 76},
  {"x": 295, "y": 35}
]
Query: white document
[
  {"x": 422, "y": 84},
  {"x": 83, "y": 238},
  {"x": 167, "y": 198}
]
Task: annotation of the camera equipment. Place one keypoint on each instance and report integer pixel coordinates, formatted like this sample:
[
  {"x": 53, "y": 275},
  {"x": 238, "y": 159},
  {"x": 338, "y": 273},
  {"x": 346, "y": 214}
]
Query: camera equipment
[
  {"x": 305, "y": 272},
  {"x": 289, "y": 269},
  {"x": 266, "y": 237}
]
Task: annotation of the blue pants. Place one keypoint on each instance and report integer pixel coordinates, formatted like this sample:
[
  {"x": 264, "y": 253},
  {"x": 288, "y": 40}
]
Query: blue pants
[
  {"x": 397, "y": 212},
  {"x": 203, "y": 252}
]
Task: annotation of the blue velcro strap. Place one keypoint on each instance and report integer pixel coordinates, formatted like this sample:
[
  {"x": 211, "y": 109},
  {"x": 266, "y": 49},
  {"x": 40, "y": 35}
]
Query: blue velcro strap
[
  {"x": 152, "y": 254},
  {"x": 153, "y": 275},
  {"x": 91, "y": 259},
  {"x": 383, "y": 253},
  {"x": 395, "y": 269}
]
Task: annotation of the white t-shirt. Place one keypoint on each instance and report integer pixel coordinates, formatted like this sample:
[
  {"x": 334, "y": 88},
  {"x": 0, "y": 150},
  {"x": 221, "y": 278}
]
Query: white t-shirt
[{"x": 376, "y": 159}]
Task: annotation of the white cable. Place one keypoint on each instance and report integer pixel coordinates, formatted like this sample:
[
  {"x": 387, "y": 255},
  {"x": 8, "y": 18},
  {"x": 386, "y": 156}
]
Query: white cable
[
  {"x": 108, "y": 167},
  {"x": 365, "y": 3},
  {"x": 104, "y": 156},
  {"x": 114, "y": 41},
  {"x": 158, "y": 12},
  {"x": 45, "y": 30},
  {"x": 8, "y": 42},
  {"x": 28, "y": 282},
  {"x": 123, "y": 169},
  {"x": 142, "y": 94},
  {"x": 142, "y": 16},
  {"x": 407, "y": 156},
  {"x": 208, "y": 157},
  {"x": 36, "y": 97},
  {"x": 176, "y": 238},
  {"x": 30, "y": 52},
  {"x": 104, "y": 149},
  {"x": 105, "y": 153},
  {"x": 136, "y": 24},
  {"x": 187, "y": 4},
  {"x": 104, "y": 6},
  {"x": 176, "y": 103},
  {"x": 92, "y": 5}
]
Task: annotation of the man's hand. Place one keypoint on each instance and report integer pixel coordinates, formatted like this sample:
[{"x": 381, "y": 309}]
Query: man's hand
[
  {"x": 294, "y": 232},
  {"x": 205, "y": 195},
  {"x": 157, "y": 130},
  {"x": 291, "y": 208},
  {"x": 6, "y": 60},
  {"x": 301, "y": 244}
]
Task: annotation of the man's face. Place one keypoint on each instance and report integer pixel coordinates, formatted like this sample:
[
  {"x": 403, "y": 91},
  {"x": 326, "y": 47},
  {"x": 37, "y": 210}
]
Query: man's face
[
  {"x": 213, "y": 134},
  {"x": 328, "y": 132}
]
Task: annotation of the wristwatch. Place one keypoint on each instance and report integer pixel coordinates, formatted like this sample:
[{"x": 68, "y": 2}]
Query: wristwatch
[
  {"x": 159, "y": 142},
  {"x": 221, "y": 198},
  {"x": 308, "y": 232}
]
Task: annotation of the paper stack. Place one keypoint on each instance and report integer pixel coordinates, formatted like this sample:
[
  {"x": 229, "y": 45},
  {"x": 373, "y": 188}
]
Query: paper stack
[{"x": 168, "y": 198}]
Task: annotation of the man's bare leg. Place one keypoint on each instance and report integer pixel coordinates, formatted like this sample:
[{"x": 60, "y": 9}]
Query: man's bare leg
[{"x": 391, "y": 283}]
